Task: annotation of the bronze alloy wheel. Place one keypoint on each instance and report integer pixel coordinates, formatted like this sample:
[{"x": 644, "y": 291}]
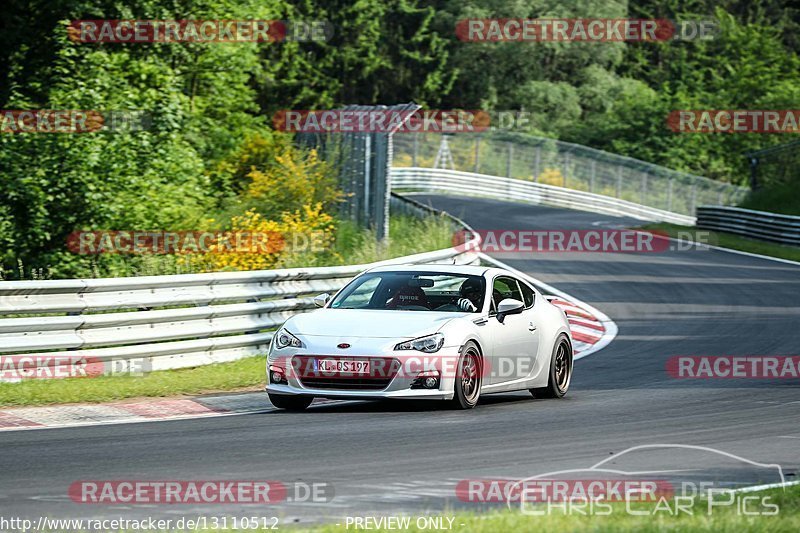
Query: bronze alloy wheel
[
  {"x": 467, "y": 386},
  {"x": 560, "y": 371}
]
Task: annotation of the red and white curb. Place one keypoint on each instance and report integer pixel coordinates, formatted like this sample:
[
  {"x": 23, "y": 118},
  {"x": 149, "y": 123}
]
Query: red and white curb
[
  {"x": 118, "y": 413},
  {"x": 587, "y": 330},
  {"x": 64, "y": 416}
]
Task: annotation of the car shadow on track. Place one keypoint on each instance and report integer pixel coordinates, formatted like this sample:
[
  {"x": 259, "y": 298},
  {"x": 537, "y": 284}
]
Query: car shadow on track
[{"x": 407, "y": 406}]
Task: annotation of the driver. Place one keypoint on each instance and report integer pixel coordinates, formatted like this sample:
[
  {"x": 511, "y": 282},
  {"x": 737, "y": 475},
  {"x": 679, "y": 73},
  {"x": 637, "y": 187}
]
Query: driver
[{"x": 471, "y": 292}]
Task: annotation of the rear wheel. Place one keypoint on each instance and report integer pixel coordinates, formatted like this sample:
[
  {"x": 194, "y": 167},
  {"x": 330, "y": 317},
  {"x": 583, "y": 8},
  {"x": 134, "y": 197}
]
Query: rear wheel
[
  {"x": 560, "y": 371},
  {"x": 467, "y": 387},
  {"x": 290, "y": 403}
]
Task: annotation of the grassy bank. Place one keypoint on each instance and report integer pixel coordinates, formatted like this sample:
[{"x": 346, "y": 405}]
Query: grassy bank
[
  {"x": 241, "y": 374},
  {"x": 727, "y": 240},
  {"x": 407, "y": 235},
  {"x": 783, "y": 198}
]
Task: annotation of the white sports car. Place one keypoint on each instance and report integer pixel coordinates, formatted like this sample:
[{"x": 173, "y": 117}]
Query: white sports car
[{"x": 438, "y": 332}]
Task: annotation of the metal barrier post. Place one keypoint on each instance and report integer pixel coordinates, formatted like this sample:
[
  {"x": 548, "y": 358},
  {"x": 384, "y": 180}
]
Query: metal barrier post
[
  {"x": 644, "y": 188},
  {"x": 669, "y": 196},
  {"x": 508, "y": 161}
]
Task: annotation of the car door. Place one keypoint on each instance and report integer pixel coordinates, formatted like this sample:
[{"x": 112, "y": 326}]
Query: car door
[
  {"x": 533, "y": 322},
  {"x": 515, "y": 339}
]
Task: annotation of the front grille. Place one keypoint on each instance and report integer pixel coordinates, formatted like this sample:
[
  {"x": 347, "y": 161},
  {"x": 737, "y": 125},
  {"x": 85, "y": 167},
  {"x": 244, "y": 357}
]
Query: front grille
[
  {"x": 382, "y": 371},
  {"x": 345, "y": 383}
]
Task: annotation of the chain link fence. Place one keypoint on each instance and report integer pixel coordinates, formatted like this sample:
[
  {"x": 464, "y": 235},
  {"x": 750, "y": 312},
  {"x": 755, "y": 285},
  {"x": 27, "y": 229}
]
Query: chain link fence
[
  {"x": 775, "y": 166},
  {"x": 563, "y": 164},
  {"x": 362, "y": 160}
]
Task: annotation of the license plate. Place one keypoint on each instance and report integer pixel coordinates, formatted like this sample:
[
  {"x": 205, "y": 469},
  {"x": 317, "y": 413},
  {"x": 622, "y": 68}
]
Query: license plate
[{"x": 341, "y": 365}]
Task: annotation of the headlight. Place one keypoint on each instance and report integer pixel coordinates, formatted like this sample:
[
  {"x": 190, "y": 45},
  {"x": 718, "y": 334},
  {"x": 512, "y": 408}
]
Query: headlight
[
  {"x": 283, "y": 339},
  {"x": 427, "y": 344}
]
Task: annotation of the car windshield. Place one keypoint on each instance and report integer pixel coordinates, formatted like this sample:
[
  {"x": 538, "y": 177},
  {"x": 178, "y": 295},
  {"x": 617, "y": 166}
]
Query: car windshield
[{"x": 413, "y": 291}]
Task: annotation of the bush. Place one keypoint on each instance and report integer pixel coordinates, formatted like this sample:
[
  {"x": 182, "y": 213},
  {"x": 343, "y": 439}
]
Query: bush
[{"x": 266, "y": 243}]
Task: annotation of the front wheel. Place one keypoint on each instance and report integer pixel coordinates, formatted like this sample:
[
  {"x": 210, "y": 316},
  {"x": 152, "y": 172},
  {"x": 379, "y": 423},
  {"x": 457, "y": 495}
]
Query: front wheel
[
  {"x": 560, "y": 371},
  {"x": 467, "y": 388},
  {"x": 289, "y": 402}
]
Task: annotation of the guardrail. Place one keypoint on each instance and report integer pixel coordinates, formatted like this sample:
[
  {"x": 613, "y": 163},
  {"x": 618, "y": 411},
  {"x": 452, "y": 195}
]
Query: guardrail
[
  {"x": 783, "y": 229},
  {"x": 168, "y": 322},
  {"x": 562, "y": 164},
  {"x": 468, "y": 183}
]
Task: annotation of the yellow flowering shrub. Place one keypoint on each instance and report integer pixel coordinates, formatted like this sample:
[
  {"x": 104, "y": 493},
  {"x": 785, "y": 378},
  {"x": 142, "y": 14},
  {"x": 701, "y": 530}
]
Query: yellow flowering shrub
[
  {"x": 273, "y": 210},
  {"x": 257, "y": 151},
  {"x": 551, "y": 176},
  {"x": 257, "y": 243},
  {"x": 283, "y": 193},
  {"x": 296, "y": 179}
]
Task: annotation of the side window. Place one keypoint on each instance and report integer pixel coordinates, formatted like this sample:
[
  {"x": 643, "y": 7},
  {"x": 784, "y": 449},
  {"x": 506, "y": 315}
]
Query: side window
[
  {"x": 527, "y": 294},
  {"x": 361, "y": 295},
  {"x": 503, "y": 288}
]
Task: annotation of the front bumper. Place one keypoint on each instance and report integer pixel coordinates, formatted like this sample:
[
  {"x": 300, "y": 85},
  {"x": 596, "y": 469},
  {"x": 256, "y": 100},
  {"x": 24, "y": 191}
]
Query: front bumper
[
  {"x": 410, "y": 364},
  {"x": 343, "y": 394}
]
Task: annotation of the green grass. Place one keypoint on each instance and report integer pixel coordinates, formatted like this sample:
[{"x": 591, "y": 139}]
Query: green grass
[
  {"x": 407, "y": 235},
  {"x": 244, "y": 373},
  {"x": 783, "y": 198},
  {"x": 727, "y": 240}
]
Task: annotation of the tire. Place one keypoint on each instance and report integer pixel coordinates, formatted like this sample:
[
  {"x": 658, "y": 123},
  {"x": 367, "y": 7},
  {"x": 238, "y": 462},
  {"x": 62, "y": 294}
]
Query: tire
[
  {"x": 560, "y": 371},
  {"x": 290, "y": 403},
  {"x": 469, "y": 378}
]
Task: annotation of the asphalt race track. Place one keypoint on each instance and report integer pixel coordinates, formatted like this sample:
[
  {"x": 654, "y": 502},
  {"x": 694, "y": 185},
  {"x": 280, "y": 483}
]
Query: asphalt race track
[{"x": 393, "y": 458}]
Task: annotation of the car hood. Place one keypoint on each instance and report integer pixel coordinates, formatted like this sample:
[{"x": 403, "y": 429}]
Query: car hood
[{"x": 369, "y": 323}]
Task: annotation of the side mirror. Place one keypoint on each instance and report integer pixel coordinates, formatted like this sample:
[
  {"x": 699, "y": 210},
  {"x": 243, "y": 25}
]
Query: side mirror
[
  {"x": 509, "y": 306},
  {"x": 322, "y": 299}
]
